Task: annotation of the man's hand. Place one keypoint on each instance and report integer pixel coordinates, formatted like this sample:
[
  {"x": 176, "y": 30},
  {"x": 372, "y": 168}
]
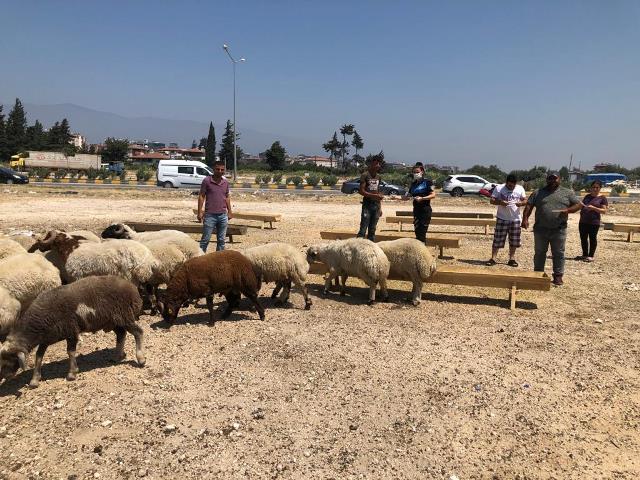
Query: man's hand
[
  {"x": 525, "y": 223},
  {"x": 229, "y": 215},
  {"x": 199, "y": 217}
]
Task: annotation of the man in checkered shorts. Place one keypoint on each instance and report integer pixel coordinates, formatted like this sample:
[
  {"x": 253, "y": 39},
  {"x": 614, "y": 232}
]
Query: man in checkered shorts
[{"x": 509, "y": 197}]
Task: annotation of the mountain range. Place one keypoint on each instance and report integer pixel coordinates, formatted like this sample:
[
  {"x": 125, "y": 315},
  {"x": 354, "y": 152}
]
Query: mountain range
[{"x": 96, "y": 125}]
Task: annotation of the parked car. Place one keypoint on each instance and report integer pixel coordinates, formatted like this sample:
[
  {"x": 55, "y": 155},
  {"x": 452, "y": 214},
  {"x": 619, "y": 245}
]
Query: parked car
[
  {"x": 458, "y": 185},
  {"x": 9, "y": 176},
  {"x": 353, "y": 185},
  {"x": 181, "y": 173}
]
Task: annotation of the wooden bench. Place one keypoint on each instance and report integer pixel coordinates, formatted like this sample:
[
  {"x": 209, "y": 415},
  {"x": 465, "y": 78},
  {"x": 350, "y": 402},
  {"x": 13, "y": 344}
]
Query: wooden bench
[
  {"x": 469, "y": 222},
  {"x": 477, "y": 277},
  {"x": 440, "y": 242},
  {"x": 261, "y": 217},
  {"x": 409, "y": 213},
  {"x": 628, "y": 228},
  {"x": 185, "y": 227}
]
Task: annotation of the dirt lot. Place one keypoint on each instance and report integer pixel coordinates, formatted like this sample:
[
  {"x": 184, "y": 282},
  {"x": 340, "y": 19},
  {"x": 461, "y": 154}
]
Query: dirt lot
[{"x": 459, "y": 387}]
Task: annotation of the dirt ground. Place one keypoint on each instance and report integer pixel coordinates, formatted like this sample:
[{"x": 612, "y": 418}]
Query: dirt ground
[{"x": 459, "y": 387}]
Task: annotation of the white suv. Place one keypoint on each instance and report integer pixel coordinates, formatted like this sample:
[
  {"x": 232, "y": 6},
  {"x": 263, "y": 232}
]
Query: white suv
[{"x": 458, "y": 185}]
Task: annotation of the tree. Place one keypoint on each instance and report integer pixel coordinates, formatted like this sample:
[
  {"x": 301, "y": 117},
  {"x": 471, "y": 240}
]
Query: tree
[
  {"x": 16, "y": 129},
  {"x": 491, "y": 173},
  {"x": 357, "y": 142},
  {"x": 210, "y": 147},
  {"x": 115, "y": 150},
  {"x": 226, "y": 146},
  {"x": 332, "y": 147},
  {"x": 346, "y": 129},
  {"x": 36, "y": 137},
  {"x": 203, "y": 142},
  {"x": 564, "y": 173},
  {"x": 275, "y": 156},
  {"x": 194, "y": 144}
]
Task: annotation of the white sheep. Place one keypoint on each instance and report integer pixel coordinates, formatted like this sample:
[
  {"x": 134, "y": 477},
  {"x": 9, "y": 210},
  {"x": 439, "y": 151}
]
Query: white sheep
[
  {"x": 126, "y": 259},
  {"x": 187, "y": 245},
  {"x": 9, "y": 312},
  {"x": 354, "y": 257},
  {"x": 283, "y": 264},
  {"x": 10, "y": 247},
  {"x": 410, "y": 260},
  {"x": 22, "y": 278}
]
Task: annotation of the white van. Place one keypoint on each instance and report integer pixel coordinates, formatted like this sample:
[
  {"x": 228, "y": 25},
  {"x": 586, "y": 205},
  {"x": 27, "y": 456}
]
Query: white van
[{"x": 181, "y": 173}]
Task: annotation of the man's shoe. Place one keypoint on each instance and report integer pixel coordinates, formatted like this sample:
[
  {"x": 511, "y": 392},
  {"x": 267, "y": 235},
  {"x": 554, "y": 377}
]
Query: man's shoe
[
  {"x": 490, "y": 263},
  {"x": 557, "y": 280},
  {"x": 512, "y": 263}
]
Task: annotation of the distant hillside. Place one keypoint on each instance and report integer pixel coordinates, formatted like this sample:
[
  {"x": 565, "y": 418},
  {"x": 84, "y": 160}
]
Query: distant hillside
[{"x": 97, "y": 125}]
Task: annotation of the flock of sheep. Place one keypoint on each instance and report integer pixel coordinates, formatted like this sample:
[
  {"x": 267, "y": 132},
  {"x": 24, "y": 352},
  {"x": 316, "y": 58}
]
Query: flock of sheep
[{"x": 67, "y": 283}]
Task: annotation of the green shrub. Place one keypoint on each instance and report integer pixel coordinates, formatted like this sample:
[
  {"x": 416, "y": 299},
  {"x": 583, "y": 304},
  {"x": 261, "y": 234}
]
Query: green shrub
[
  {"x": 296, "y": 180},
  {"x": 92, "y": 173},
  {"x": 277, "y": 177},
  {"x": 143, "y": 174},
  {"x": 40, "y": 172},
  {"x": 258, "y": 179},
  {"x": 123, "y": 176},
  {"x": 266, "y": 178},
  {"x": 616, "y": 190},
  {"x": 313, "y": 179},
  {"x": 329, "y": 180},
  {"x": 61, "y": 173}
]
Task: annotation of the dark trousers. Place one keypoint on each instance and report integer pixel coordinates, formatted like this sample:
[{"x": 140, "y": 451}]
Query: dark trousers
[
  {"x": 542, "y": 240},
  {"x": 421, "y": 220},
  {"x": 369, "y": 220},
  {"x": 588, "y": 238}
]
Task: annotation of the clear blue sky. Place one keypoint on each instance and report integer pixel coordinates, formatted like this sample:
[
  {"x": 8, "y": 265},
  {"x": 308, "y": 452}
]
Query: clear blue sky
[{"x": 455, "y": 82}]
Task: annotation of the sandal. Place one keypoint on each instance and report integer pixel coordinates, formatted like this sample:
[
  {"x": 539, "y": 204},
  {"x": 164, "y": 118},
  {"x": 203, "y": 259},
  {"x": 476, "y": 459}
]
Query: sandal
[
  {"x": 490, "y": 263},
  {"x": 512, "y": 263}
]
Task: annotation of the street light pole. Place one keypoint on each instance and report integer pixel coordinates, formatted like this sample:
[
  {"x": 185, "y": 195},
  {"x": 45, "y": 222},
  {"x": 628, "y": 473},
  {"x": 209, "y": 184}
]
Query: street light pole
[{"x": 233, "y": 62}]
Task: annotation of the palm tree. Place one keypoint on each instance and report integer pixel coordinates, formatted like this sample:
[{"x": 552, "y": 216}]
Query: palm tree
[
  {"x": 346, "y": 129},
  {"x": 331, "y": 147},
  {"x": 357, "y": 143}
]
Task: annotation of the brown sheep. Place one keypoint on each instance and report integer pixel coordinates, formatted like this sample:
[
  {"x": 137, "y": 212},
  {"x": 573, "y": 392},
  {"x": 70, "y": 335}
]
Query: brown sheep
[
  {"x": 87, "y": 305},
  {"x": 226, "y": 272}
]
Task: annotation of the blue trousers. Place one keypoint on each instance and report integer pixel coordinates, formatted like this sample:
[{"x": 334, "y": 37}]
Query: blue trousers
[{"x": 217, "y": 222}]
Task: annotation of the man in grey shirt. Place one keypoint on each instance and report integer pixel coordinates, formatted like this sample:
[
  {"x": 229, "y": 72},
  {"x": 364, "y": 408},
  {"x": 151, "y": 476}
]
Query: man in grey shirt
[{"x": 553, "y": 203}]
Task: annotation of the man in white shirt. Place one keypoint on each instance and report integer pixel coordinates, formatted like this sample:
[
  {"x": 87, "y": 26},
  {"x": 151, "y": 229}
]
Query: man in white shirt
[{"x": 509, "y": 197}]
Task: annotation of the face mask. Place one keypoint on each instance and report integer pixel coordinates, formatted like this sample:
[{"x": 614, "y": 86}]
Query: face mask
[{"x": 417, "y": 176}]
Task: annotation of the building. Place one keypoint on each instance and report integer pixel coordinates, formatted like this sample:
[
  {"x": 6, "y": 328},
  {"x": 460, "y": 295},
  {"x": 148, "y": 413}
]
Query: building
[
  {"x": 149, "y": 158},
  {"x": 603, "y": 167},
  {"x": 77, "y": 140}
]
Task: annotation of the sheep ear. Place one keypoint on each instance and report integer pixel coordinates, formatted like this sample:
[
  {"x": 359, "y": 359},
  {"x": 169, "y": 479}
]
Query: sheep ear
[{"x": 22, "y": 360}]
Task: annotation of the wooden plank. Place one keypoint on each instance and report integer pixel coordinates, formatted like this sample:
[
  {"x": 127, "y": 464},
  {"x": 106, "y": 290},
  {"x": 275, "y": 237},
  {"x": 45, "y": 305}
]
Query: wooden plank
[
  {"x": 409, "y": 213},
  {"x": 263, "y": 217},
  {"x": 472, "y": 222},
  {"x": 475, "y": 277},
  {"x": 448, "y": 242},
  {"x": 183, "y": 227}
]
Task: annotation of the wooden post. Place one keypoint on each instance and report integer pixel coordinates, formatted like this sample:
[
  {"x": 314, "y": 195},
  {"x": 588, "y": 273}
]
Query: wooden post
[
  {"x": 486, "y": 229},
  {"x": 630, "y": 236},
  {"x": 441, "y": 251},
  {"x": 512, "y": 296}
]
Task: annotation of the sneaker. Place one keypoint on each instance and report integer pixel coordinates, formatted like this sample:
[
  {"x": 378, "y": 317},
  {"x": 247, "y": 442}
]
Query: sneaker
[
  {"x": 490, "y": 263},
  {"x": 512, "y": 263},
  {"x": 588, "y": 259},
  {"x": 557, "y": 280}
]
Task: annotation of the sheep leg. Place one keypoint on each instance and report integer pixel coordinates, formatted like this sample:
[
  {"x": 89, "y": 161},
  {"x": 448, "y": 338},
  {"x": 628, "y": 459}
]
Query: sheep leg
[
  {"x": 121, "y": 334},
  {"x": 276, "y": 290},
  {"x": 327, "y": 282},
  {"x": 233, "y": 299},
  {"x": 150, "y": 293},
  {"x": 253, "y": 296},
  {"x": 383, "y": 290},
  {"x": 372, "y": 294},
  {"x": 137, "y": 332},
  {"x": 37, "y": 375},
  {"x": 303, "y": 288},
  {"x": 416, "y": 295},
  {"x": 286, "y": 291},
  {"x": 343, "y": 286},
  {"x": 72, "y": 344},
  {"x": 212, "y": 320}
]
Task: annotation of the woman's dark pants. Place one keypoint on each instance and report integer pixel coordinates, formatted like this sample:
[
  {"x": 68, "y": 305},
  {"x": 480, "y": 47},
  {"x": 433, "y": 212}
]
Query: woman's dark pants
[
  {"x": 421, "y": 220},
  {"x": 588, "y": 238}
]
